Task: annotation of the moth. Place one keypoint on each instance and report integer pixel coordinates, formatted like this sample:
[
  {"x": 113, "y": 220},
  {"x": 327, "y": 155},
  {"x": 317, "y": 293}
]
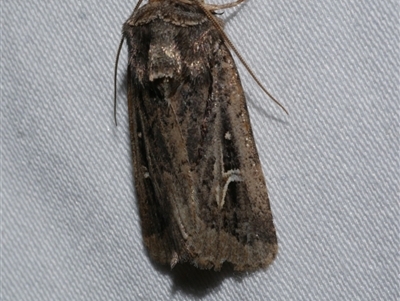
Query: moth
[{"x": 199, "y": 182}]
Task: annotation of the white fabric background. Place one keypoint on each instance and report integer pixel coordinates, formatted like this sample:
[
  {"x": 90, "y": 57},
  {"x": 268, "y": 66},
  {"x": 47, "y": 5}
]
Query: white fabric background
[{"x": 69, "y": 218}]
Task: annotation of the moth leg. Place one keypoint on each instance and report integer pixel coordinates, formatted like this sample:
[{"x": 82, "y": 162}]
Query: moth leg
[
  {"x": 174, "y": 259},
  {"x": 213, "y": 7}
]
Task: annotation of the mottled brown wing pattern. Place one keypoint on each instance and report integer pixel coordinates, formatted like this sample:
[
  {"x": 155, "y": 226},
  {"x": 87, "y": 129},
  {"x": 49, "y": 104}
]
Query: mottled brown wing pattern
[{"x": 202, "y": 195}]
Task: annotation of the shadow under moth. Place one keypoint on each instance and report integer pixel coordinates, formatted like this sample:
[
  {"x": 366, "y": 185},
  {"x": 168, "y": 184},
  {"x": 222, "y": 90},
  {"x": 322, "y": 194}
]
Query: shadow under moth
[{"x": 199, "y": 182}]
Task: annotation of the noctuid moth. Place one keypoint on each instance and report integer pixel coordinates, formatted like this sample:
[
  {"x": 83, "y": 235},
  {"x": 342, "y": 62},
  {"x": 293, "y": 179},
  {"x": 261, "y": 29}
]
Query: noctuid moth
[{"x": 201, "y": 191}]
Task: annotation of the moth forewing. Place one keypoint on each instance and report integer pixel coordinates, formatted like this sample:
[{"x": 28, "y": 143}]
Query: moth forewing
[{"x": 202, "y": 195}]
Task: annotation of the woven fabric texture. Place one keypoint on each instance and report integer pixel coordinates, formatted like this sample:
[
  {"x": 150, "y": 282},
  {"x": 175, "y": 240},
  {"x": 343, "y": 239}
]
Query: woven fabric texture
[{"x": 69, "y": 219}]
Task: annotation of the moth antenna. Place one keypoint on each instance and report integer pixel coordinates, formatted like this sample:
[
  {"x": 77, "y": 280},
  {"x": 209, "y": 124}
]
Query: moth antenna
[
  {"x": 115, "y": 79},
  {"x": 136, "y": 7},
  {"x": 116, "y": 68},
  {"x": 230, "y": 44}
]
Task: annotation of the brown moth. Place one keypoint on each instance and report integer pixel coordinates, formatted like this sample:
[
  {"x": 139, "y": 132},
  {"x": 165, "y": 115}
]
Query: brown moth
[{"x": 201, "y": 191}]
